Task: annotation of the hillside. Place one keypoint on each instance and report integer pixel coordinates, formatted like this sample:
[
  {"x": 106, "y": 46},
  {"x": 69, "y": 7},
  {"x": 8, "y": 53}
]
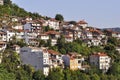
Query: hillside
[
  {"x": 117, "y": 29},
  {"x": 11, "y": 9}
]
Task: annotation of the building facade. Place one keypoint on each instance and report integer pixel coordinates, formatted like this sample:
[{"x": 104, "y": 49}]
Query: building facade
[
  {"x": 36, "y": 57},
  {"x": 100, "y": 60}
]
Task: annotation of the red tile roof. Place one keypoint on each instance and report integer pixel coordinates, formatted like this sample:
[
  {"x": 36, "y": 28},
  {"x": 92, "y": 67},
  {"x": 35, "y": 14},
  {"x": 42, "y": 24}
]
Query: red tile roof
[
  {"x": 1, "y": 42},
  {"x": 53, "y": 52},
  {"x": 52, "y": 32},
  {"x": 3, "y": 33},
  {"x": 82, "y": 22},
  {"x": 100, "y": 54},
  {"x": 67, "y": 36}
]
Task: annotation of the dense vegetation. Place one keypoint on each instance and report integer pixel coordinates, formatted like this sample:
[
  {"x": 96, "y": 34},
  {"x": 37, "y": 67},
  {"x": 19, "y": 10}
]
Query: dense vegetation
[
  {"x": 11, "y": 9},
  {"x": 12, "y": 69}
]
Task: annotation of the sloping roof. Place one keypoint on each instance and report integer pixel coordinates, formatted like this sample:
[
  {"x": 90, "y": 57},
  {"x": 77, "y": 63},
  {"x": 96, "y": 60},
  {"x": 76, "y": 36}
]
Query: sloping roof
[
  {"x": 82, "y": 22},
  {"x": 52, "y": 32},
  {"x": 1, "y": 42},
  {"x": 53, "y": 52},
  {"x": 100, "y": 54},
  {"x": 1, "y": 32}
]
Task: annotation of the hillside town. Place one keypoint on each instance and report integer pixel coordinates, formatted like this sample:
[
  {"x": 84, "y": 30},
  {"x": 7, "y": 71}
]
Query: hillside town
[
  {"x": 32, "y": 31},
  {"x": 49, "y": 43}
]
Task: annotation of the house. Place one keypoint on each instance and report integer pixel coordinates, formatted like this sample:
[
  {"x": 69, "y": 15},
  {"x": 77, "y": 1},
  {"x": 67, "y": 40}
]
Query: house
[
  {"x": 53, "y": 34},
  {"x": 27, "y": 27},
  {"x": 53, "y": 24},
  {"x": 82, "y": 24},
  {"x": 92, "y": 42},
  {"x": 3, "y": 36},
  {"x": 16, "y": 48},
  {"x": 100, "y": 60},
  {"x": 36, "y": 57},
  {"x": 68, "y": 38},
  {"x": 28, "y": 19},
  {"x": 53, "y": 42},
  {"x": 88, "y": 34},
  {"x": 56, "y": 59},
  {"x": 33, "y": 42},
  {"x": 118, "y": 48},
  {"x": 3, "y": 45},
  {"x": 29, "y": 36},
  {"x": 73, "y": 61},
  {"x": 9, "y": 34},
  {"x": 18, "y": 26},
  {"x": 20, "y": 34},
  {"x": 44, "y": 37}
]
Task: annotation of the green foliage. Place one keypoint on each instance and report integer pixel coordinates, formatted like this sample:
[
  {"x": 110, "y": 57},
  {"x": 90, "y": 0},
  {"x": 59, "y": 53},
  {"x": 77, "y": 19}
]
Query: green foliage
[
  {"x": 14, "y": 10},
  {"x": 59, "y": 17},
  {"x": 113, "y": 40},
  {"x": 46, "y": 28},
  {"x": 55, "y": 74},
  {"x": 115, "y": 69},
  {"x": 97, "y": 49},
  {"x": 7, "y": 2},
  {"x": 5, "y": 75},
  {"x": 73, "y": 22},
  {"x": 48, "y": 43},
  {"x": 38, "y": 75},
  {"x": 95, "y": 77},
  {"x": 41, "y": 42},
  {"x": 61, "y": 42}
]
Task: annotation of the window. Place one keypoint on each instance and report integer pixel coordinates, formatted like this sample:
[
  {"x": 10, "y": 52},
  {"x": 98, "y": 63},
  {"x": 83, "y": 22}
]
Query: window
[{"x": 79, "y": 61}]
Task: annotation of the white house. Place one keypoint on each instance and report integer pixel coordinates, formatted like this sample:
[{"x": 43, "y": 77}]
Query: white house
[
  {"x": 37, "y": 57},
  {"x": 68, "y": 38},
  {"x": 55, "y": 59},
  {"x": 53, "y": 42},
  {"x": 20, "y": 34},
  {"x": 3, "y": 36},
  {"x": 100, "y": 60},
  {"x": 44, "y": 37},
  {"x": 2, "y": 45},
  {"x": 18, "y": 26},
  {"x": 54, "y": 24},
  {"x": 82, "y": 24},
  {"x": 9, "y": 34}
]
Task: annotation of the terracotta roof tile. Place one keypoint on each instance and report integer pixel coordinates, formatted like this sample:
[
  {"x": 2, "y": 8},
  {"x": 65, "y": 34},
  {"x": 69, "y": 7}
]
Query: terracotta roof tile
[
  {"x": 53, "y": 52},
  {"x": 82, "y": 22},
  {"x": 52, "y": 32}
]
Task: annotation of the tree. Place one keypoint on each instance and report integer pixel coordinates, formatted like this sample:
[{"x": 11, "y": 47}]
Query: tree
[
  {"x": 7, "y": 2},
  {"x": 46, "y": 28},
  {"x": 67, "y": 74},
  {"x": 61, "y": 42},
  {"x": 95, "y": 77},
  {"x": 41, "y": 42},
  {"x": 48, "y": 43},
  {"x": 73, "y": 22},
  {"x": 59, "y": 17},
  {"x": 115, "y": 69},
  {"x": 113, "y": 40},
  {"x": 38, "y": 75},
  {"x": 55, "y": 74},
  {"x": 29, "y": 69},
  {"x": 5, "y": 75}
]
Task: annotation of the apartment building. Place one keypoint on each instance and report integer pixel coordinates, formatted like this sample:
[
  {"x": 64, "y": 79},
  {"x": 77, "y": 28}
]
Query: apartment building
[
  {"x": 37, "y": 57},
  {"x": 100, "y": 60}
]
